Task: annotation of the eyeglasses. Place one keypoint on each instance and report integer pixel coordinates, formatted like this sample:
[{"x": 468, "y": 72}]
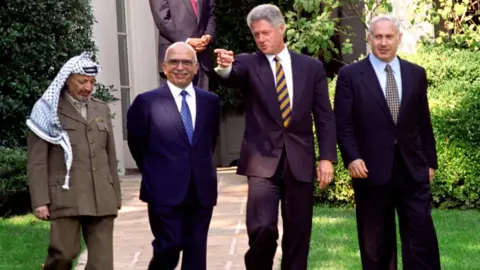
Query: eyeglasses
[{"x": 176, "y": 62}]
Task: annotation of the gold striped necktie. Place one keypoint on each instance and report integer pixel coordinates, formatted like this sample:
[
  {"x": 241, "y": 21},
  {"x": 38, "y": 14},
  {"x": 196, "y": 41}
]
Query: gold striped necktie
[{"x": 282, "y": 92}]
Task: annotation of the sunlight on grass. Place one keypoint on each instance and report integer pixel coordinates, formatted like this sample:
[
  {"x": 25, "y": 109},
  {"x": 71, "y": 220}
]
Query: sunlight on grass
[
  {"x": 334, "y": 242},
  {"x": 24, "y": 242}
]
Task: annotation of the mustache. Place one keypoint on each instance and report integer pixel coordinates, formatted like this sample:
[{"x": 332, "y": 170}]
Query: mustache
[{"x": 180, "y": 72}]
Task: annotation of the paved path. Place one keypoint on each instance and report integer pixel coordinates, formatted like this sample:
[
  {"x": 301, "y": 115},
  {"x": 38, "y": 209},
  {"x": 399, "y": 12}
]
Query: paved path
[{"x": 227, "y": 239}]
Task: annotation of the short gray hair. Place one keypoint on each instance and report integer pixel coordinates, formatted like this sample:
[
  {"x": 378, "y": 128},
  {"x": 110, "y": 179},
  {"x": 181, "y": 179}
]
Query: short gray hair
[
  {"x": 267, "y": 12},
  {"x": 383, "y": 17},
  {"x": 180, "y": 43}
]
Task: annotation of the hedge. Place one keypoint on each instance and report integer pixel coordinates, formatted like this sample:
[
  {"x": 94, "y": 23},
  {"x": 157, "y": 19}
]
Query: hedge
[
  {"x": 13, "y": 176},
  {"x": 454, "y": 92}
]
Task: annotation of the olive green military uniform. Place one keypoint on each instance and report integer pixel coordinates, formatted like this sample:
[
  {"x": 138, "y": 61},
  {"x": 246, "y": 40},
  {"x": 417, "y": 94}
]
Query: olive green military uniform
[{"x": 92, "y": 202}]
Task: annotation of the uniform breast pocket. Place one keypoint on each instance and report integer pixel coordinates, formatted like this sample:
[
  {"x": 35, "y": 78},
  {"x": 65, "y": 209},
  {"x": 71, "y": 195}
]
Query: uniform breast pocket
[
  {"x": 73, "y": 134},
  {"x": 102, "y": 129}
]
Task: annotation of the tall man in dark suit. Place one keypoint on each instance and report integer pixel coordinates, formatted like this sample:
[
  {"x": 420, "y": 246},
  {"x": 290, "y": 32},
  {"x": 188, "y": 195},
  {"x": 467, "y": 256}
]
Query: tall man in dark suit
[
  {"x": 191, "y": 21},
  {"x": 172, "y": 132},
  {"x": 282, "y": 91},
  {"x": 386, "y": 139}
]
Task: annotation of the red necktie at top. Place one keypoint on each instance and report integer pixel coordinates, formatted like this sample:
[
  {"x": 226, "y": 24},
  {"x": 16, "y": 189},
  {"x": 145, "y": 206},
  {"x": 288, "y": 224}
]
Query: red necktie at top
[{"x": 195, "y": 8}]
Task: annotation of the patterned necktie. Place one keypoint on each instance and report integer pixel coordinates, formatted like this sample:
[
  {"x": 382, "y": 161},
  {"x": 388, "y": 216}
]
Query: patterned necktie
[
  {"x": 195, "y": 7},
  {"x": 282, "y": 92},
  {"x": 391, "y": 94},
  {"x": 186, "y": 116}
]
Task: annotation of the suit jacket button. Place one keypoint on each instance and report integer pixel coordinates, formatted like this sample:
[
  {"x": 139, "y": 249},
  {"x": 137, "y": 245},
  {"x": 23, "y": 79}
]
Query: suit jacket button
[
  {"x": 91, "y": 142},
  {"x": 94, "y": 169}
]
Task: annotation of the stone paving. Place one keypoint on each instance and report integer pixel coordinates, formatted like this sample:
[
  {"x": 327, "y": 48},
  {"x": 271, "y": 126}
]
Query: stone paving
[{"x": 227, "y": 239}]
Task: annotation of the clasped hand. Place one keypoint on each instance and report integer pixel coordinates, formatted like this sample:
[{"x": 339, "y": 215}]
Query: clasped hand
[{"x": 200, "y": 44}]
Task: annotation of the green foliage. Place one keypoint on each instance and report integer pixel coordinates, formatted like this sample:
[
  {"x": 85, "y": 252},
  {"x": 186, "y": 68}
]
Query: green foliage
[
  {"x": 313, "y": 24},
  {"x": 454, "y": 91},
  {"x": 454, "y": 99},
  {"x": 459, "y": 19},
  {"x": 36, "y": 39},
  {"x": 13, "y": 172}
]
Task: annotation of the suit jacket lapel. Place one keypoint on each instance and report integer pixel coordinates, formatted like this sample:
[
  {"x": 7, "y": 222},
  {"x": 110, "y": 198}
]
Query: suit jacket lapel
[
  {"x": 406, "y": 87},
  {"x": 370, "y": 80},
  {"x": 190, "y": 8},
  {"x": 67, "y": 109},
  {"x": 202, "y": 107},
  {"x": 298, "y": 76},
  {"x": 199, "y": 9},
  {"x": 171, "y": 112},
  {"x": 269, "y": 93}
]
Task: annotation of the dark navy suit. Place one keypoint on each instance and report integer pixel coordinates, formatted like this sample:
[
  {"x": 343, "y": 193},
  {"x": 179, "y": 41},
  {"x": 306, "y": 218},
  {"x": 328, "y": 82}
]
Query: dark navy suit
[
  {"x": 397, "y": 157},
  {"x": 179, "y": 180}
]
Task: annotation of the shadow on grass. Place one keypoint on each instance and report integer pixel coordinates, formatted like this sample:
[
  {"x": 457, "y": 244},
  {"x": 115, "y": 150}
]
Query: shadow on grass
[{"x": 334, "y": 243}]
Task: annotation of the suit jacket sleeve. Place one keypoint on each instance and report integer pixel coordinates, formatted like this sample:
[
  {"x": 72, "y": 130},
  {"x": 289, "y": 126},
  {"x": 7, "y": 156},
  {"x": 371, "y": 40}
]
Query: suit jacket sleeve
[
  {"x": 343, "y": 107},
  {"x": 112, "y": 160},
  {"x": 161, "y": 15},
  {"x": 323, "y": 116},
  {"x": 37, "y": 170},
  {"x": 211, "y": 22},
  {"x": 216, "y": 122},
  {"x": 137, "y": 129},
  {"x": 425, "y": 125}
]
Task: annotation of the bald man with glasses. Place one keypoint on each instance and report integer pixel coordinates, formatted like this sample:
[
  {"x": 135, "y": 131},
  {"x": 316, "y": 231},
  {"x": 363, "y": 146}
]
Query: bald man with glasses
[{"x": 172, "y": 133}]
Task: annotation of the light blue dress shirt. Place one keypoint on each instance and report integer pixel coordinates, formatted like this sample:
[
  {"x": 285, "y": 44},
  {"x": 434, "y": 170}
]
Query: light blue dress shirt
[{"x": 379, "y": 67}]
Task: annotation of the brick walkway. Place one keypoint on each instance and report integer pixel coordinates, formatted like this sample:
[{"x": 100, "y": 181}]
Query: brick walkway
[{"x": 227, "y": 239}]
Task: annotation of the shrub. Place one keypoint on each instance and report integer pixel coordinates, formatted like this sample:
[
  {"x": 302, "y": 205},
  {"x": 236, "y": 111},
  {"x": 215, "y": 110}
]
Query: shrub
[
  {"x": 454, "y": 91},
  {"x": 36, "y": 38},
  {"x": 13, "y": 172}
]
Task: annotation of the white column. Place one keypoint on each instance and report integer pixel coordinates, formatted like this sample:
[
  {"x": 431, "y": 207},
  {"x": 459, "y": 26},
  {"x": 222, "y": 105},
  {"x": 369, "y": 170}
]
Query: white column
[
  {"x": 142, "y": 55},
  {"x": 105, "y": 37}
]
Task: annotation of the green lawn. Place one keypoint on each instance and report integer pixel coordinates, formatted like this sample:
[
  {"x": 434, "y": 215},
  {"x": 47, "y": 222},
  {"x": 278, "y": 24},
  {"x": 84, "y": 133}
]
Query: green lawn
[
  {"x": 334, "y": 243},
  {"x": 23, "y": 243}
]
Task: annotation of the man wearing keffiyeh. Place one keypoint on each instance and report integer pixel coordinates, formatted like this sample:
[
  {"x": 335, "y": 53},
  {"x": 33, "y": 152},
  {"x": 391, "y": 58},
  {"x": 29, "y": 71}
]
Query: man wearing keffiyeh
[{"x": 72, "y": 167}]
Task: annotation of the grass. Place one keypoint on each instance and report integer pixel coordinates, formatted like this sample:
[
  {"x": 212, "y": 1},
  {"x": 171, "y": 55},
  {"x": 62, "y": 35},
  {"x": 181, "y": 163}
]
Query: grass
[
  {"x": 24, "y": 243},
  {"x": 334, "y": 243}
]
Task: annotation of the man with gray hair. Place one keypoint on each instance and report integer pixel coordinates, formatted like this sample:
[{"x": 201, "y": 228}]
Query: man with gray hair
[
  {"x": 72, "y": 167},
  {"x": 172, "y": 133},
  {"x": 386, "y": 139},
  {"x": 282, "y": 91}
]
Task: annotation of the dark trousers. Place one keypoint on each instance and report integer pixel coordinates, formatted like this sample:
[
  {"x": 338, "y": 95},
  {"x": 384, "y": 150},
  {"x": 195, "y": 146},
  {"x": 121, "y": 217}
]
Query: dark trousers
[
  {"x": 180, "y": 228},
  {"x": 264, "y": 196},
  {"x": 200, "y": 80},
  {"x": 375, "y": 210},
  {"x": 65, "y": 242}
]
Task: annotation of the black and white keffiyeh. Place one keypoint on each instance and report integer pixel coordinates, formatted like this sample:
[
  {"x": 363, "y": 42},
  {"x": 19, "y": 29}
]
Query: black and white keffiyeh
[{"x": 44, "y": 121}]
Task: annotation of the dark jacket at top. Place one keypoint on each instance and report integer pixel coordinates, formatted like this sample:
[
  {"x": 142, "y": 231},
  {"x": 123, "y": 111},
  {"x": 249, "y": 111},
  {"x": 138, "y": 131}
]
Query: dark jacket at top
[{"x": 176, "y": 21}]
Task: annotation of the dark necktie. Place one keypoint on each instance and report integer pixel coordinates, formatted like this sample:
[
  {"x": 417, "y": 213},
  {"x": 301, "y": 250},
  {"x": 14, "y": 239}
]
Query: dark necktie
[
  {"x": 282, "y": 92},
  {"x": 186, "y": 116},
  {"x": 391, "y": 93},
  {"x": 195, "y": 7}
]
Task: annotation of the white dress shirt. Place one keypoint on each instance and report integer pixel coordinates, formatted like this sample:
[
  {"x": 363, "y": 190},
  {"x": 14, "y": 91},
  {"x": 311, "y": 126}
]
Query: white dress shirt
[
  {"x": 286, "y": 62},
  {"x": 379, "y": 67},
  {"x": 191, "y": 98}
]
